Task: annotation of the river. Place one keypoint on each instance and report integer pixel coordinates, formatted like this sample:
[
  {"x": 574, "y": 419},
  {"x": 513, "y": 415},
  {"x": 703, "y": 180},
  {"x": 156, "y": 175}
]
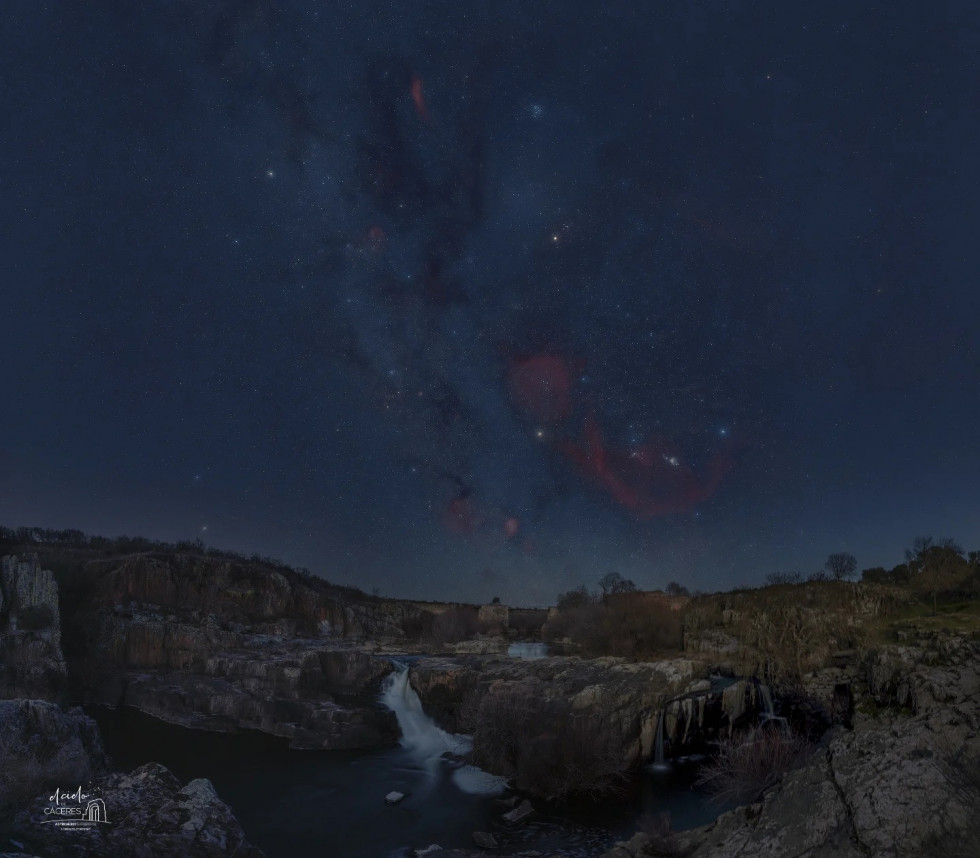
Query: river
[{"x": 297, "y": 803}]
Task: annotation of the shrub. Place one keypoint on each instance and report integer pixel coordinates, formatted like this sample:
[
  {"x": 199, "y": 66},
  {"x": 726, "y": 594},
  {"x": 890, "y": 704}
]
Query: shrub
[
  {"x": 746, "y": 767},
  {"x": 580, "y": 597},
  {"x": 661, "y": 840},
  {"x": 454, "y": 625},
  {"x": 29, "y": 769},
  {"x": 627, "y": 625}
]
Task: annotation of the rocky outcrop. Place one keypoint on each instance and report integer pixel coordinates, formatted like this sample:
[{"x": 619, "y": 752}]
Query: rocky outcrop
[
  {"x": 41, "y": 746},
  {"x": 31, "y": 662},
  {"x": 525, "y": 715},
  {"x": 148, "y": 812},
  {"x": 318, "y": 698},
  {"x": 226, "y": 595},
  {"x": 628, "y": 697},
  {"x": 887, "y": 788},
  {"x": 219, "y": 645}
]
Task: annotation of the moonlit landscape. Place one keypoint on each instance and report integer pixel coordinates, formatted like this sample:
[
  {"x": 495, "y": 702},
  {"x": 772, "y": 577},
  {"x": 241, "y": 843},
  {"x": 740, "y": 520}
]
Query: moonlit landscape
[{"x": 569, "y": 405}]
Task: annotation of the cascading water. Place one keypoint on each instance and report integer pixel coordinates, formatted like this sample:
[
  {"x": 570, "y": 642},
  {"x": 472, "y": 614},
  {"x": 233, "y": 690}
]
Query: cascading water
[
  {"x": 427, "y": 743},
  {"x": 658, "y": 748},
  {"x": 768, "y": 714},
  {"x": 421, "y": 737}
]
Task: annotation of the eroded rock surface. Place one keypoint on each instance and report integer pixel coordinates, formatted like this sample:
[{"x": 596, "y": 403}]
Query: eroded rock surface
[
  {"x": 213, "y": 644},
  {"x": 31, "y": 661},
  {"x": 882, "y": 789},
  {"x": 41, "y": 745},
  {"x": 549, "y": 702},
  {"x": 149, "y": 814}
]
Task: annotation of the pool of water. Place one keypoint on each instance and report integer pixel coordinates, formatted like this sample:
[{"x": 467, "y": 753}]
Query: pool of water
[
  {"x": 528, "y": 650},
  {"x": 297, "y": 803}
]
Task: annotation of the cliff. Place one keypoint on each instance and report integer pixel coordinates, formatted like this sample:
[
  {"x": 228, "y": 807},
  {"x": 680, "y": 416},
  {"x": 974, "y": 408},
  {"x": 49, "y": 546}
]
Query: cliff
[
  {"x": 902, "y": 783},
  {"x": 221, "y": 645},
  {"x": 31, "y": 661}
]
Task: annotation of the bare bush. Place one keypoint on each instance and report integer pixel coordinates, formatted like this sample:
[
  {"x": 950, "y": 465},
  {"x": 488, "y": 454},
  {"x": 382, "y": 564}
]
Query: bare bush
[
  {"x": 454, "y": 625},
  {"x": 661, "y": 840},
  {"x": 29, "y": 769},
  {"x": 627, "y": 625},
  {"x": 746, "y": 767},
  {"x": 774, "y": 579}
]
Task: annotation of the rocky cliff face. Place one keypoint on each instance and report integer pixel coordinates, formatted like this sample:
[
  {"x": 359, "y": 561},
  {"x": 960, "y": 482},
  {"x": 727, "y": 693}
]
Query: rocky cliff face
[
  {"x": 901, "y": 784},
  {"x": 219, "y": 645},
  {"x": 524, "y": 714},
  {"x": 31, "y": 662}
]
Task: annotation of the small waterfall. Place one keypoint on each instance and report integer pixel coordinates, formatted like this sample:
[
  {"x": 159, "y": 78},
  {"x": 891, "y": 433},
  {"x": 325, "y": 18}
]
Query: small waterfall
[
  {"x": 421, "y": 737},
  {"x": 658, "y": 754},
  {"x": 768, "y": 711},
  {"x": 768, "y": 714},
  {"x": 426, "y": 742},
  {"x": 659, "y": 763}
]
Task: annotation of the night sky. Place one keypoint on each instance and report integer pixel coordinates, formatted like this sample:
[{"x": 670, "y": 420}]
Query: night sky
[{"x": 459, "y": 300}]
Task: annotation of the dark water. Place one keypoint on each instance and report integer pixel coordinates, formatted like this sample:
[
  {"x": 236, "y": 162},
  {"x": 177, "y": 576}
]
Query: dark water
[{"x": 331, "y": 803}]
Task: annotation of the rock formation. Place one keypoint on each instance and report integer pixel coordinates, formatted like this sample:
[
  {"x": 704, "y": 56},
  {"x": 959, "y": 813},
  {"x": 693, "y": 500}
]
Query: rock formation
[
  {"x": 885, "y": 788},
  {"x": 218, "y": 645},
  {"x": 149, "y": 812},
  {"x": 31, "y": 662}
]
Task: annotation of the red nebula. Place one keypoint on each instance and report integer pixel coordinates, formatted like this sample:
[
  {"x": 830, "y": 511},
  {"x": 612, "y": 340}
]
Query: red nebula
[
  {"x": 460, "y": 515},
  {"x": 541, "y": 386},
  {"x": 511, "y": 527},
  {"x": 649, "y": 480},
  {"x": 418, "y": 98}
]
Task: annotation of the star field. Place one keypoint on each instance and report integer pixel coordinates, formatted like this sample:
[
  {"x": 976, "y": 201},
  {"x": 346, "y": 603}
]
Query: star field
[{"x": 460, "y": 301}]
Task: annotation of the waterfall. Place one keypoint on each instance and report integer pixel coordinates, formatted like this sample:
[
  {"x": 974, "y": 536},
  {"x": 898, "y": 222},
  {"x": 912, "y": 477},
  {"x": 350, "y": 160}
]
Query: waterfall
[
  {"x": 659, "y": 763},
  {"x": 768, "y": 714},
  {"x": 769, "y": 711},
  {"x": 421, "y": 737},
  {"x": 658, "y": 754},
  {"x": 426, "y": 742}
]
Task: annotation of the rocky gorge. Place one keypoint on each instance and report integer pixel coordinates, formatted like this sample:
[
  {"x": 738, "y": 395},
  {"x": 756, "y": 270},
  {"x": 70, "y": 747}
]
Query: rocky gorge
[{"x": 224, "y": 645}]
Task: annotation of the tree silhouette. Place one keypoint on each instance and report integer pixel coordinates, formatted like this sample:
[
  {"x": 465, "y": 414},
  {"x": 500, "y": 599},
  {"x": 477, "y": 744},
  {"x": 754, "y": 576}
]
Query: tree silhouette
[
  {"x": 841, "y": 565},
  {"x": 613, "y": 583}
]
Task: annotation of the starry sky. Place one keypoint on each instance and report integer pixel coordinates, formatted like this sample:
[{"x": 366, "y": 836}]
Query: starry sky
[{"x": 458, "y": 300}]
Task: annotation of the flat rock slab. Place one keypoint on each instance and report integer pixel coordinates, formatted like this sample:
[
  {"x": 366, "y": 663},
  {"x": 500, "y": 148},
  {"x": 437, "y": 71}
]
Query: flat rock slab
[
  {"x": 484, "y": 840},
  {"x": 519, "y": 813},
  {"x": 394, "y": 797}
]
